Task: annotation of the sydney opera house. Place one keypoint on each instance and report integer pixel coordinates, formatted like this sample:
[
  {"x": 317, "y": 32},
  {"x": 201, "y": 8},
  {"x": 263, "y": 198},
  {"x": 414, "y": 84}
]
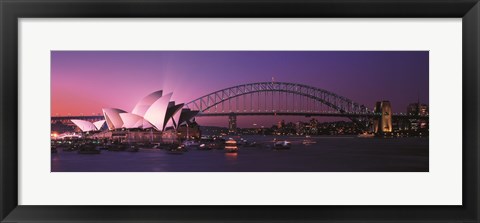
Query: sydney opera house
[{"x": 155, "y": 112}]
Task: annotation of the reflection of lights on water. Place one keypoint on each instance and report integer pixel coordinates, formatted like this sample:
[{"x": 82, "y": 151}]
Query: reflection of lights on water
[{"x": 231, "y": 156}]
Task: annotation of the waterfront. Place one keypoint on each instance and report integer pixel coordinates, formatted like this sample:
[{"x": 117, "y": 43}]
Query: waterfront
[{"x": 327, "y": 154}]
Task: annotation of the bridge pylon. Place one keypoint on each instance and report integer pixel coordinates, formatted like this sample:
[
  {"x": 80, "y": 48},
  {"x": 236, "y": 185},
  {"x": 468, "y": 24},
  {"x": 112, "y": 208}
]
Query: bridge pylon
[
  {"x": 383, "y": 123},
  {"x": 232, "y": 123}
]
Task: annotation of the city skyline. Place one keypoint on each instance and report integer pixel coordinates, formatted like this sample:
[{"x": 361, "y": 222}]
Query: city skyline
[{"x": 84, "y": 82}]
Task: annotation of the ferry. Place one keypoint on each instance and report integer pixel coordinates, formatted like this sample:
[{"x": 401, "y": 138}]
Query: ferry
[
  {"x": 176, "y": 149},
  {"x": 282, "y": 145},
  {"x": 231, "y": 146},
  {"x": 191, "y": 144}
]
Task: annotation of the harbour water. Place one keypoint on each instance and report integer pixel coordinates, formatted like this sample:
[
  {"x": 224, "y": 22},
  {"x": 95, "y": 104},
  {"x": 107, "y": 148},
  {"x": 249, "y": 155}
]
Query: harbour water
[{"x": 313, "y": 154}]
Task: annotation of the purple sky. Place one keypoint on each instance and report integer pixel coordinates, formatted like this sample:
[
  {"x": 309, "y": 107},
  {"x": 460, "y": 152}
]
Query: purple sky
[{"x": 84, "y": 82}]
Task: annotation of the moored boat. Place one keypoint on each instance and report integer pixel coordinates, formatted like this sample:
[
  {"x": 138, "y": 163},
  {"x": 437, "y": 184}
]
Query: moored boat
[
  {"x": 132, "y": 148},
  {"x": 191, "y": 144},
  {"x": 282, "y": 145},
  {"x": 117, "y": 147},
  {"x": 176, "y": 149},
  {"x": 88, "y": 149}
]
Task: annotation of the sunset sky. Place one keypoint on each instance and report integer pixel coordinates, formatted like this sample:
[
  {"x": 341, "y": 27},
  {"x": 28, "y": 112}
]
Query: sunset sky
[{"x": 84, "y": 82}]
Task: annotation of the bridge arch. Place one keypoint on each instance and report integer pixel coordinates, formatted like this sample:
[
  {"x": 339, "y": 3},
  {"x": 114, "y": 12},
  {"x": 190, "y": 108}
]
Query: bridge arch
[{"x": 336, "y": 102}]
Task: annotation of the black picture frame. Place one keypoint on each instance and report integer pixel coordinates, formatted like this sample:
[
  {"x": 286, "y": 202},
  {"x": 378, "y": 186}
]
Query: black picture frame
[{"x": 12, "y": 10}]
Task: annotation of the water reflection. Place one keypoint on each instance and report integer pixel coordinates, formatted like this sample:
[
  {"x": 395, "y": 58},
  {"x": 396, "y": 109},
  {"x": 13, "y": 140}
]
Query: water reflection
[
  {"x": 231, "y": 156},
  {"x": 324, "y": 154}
]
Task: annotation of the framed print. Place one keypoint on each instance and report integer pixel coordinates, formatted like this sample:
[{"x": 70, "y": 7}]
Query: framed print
[{"x": 239, "y": 111}]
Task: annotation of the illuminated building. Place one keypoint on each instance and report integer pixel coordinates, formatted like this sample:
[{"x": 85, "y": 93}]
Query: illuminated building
[
  {"x": 155, "y": 111},
  {"x": 418, "y": 110}
]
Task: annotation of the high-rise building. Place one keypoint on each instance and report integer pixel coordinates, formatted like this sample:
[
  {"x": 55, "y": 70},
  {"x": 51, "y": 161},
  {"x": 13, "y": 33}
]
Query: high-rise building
[
  {"x": 423, "y": 110},
  {"x": 418, "y": 110}
]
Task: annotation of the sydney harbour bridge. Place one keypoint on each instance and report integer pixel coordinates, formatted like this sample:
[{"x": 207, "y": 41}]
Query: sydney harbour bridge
[{"x": 275, "y": 98}]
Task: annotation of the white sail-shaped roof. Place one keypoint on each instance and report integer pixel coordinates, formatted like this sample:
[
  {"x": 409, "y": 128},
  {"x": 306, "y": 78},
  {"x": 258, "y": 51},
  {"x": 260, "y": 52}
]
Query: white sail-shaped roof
[
  {"x": 112, "y": 117},
  {"x": 157, "y": 112},
  {"x": 85, "y": 126},
  {"x": 99, "y": 124},
  {"x": 143, "y": 105},
  {"x": 131, "y": 121},
  {"x": 146, "y": 124},
  {"x": 153, "y": 111}
]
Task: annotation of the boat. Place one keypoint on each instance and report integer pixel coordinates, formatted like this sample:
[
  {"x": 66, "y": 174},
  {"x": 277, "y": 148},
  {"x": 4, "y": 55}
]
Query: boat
[
  {"x": 242, "y": 142},
  {"x": 70, "y": 148},
  {"x": 190, "y": 144},
  {"x": 366, "y": 135},
  {"x": 132, "y": 148},
  {"x": 176, "y": 149},
  {"x": 117, "y": 147},
  {"x": 88, "y": 149},
  {"x": 231, "y": 146},
  {"x": 282, "y": 145},
  {"x": 102, "y": 147},
  {"x": 206, "y": 146}
]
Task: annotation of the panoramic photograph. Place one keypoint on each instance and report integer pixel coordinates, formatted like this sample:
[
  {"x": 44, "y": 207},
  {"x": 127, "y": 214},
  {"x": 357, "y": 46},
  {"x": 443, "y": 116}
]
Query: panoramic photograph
[{"x": 239, "y": 111}]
